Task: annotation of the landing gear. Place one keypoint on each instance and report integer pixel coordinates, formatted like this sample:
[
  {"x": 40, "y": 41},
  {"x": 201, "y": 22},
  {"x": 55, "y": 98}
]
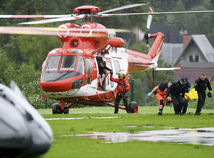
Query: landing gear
[
  {"x": 59, "y": 108},
  {"x": 66, "y": 110},
  {"x": 56, "y": 109},
  {"x": 133, "y": 107}
]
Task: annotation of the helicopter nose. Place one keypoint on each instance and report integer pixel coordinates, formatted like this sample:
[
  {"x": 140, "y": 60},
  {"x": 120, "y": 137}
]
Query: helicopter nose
[{"x": 49, "y": 83}]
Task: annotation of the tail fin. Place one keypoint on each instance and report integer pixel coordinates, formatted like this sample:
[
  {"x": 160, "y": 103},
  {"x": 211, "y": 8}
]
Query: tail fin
[{"x": 154, "y": 52}]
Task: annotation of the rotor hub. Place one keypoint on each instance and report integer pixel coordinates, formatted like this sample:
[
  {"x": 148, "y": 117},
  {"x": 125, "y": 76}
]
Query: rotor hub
[{"x": 86, "y": 9}]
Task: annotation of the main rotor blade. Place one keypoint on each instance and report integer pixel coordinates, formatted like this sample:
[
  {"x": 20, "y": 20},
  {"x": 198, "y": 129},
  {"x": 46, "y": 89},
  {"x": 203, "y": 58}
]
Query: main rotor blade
[
  {"x": 123, "y": 7},
  {"x": 120, "y": 30},
  {"x": 52, "y": 31},
  {"x": 28, "y": 30},
  {"x": 32, "y": 16},
  {"x": 156, "y": 13},
  {"x": 54, "y": 20}
]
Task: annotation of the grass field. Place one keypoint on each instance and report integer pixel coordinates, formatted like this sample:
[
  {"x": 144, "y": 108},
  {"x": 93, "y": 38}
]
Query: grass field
[{"x": 146, "y": 119}]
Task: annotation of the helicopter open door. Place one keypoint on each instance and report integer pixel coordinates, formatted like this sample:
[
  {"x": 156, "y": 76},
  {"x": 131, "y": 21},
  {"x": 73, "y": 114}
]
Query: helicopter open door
[
  {"x": 109, "y": 85},
  {"x": 106, "y": 83},
  {"x": 115, "y": 67}
]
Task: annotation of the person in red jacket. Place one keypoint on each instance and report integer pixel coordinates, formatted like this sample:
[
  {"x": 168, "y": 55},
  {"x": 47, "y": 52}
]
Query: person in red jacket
[
  {"x": 160, "y": 93},
  {"x": 123, "y": 87}
]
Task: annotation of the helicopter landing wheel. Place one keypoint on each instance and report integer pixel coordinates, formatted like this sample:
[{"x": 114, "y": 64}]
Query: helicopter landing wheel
[
  {"x": 66, "y": 110},
  {"x": 133, "y": 107},
  {"x": 56, "y": 109}
]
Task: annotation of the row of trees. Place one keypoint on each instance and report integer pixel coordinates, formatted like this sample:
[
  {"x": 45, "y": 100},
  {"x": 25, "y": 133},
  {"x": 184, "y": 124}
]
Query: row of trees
[{"x": 21, "y": 56}]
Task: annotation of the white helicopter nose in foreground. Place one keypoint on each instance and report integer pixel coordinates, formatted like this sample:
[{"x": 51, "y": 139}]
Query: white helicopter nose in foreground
[{"x": 23, "y": 131}]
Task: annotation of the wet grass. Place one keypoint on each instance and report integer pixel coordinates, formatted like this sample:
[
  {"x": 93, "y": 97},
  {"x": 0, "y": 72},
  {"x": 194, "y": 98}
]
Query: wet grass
[{"x": 147, "y": 119}]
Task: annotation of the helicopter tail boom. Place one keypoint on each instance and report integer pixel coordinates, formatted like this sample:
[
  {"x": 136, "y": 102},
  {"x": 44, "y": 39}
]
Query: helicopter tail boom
[{"x": 140, "y": 61}]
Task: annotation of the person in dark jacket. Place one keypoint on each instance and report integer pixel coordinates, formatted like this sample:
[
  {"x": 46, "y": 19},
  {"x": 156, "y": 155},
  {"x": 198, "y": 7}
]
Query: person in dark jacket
[
  {"x": 102, "y": 73},
  {"x": 123, "y": 87},
  {"x": 186, "y": 89},
  {"x": 201, "y": 85},
  {"x": 160, "y": 93},
  {"x": 177, "y": 91}
]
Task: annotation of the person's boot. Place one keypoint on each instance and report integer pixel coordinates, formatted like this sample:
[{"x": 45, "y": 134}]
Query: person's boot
[
  {"x": 198, "y": 112},
  {"x": 160, "y": 113},
  {"x": 160, "y": 109},
  {"x": 177, "y": 112}
]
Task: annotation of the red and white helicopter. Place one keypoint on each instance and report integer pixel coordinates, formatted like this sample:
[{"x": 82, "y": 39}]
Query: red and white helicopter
[{"x": 70, "y": 74}]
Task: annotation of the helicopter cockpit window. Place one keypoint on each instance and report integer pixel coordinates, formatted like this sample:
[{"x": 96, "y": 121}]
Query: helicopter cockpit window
[
  {"x": 88, "y": 66},
  {"x": 117, "y": 67},
  {"x": 52, "y": 64},
  {"x": 80, "y": 66},
  {"x": 68, "y": 62}
]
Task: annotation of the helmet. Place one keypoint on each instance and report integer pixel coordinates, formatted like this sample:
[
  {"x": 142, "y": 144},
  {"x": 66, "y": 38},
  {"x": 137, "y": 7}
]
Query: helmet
[
  {"x": 122, "y": 75},
  {"x": 184, "y": 80}
]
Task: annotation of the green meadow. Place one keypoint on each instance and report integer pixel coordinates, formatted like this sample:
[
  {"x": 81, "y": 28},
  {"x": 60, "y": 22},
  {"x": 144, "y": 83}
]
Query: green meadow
[{"x": 146, "y": 119}]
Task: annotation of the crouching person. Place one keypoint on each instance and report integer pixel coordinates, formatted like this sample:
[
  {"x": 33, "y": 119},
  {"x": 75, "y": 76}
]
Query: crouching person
[
  {"x": 160, "y": 93},
  {"x": 123, "y": 87},
  {"x": 176, "y": 90}
]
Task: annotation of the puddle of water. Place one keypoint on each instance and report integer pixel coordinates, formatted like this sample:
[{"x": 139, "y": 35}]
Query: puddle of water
[
  {"x": 203, "y": 136},
  {"x": 79, "y": 118}
]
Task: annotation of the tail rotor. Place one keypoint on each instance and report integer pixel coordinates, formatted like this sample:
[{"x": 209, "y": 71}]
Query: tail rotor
[
  {"x": 144, "y": 36},
  {"x": 149, "y": 22}
]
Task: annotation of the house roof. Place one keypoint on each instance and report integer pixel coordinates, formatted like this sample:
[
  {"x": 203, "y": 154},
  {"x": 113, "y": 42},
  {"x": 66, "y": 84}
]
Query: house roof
[
  {"x": 203, "y": 44},
  {"x": 171, "y": 52}
]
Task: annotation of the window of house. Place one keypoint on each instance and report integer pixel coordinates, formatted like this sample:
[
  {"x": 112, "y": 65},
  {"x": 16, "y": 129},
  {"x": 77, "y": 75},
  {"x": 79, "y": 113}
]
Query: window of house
[
  {"x": 196, "y": 58},
  {"x": 191, "y": 58}
]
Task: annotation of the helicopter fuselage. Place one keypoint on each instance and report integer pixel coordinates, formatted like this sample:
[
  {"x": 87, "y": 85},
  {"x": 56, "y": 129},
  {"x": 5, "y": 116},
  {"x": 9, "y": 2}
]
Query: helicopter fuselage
[{"x": 71, "y": 73}]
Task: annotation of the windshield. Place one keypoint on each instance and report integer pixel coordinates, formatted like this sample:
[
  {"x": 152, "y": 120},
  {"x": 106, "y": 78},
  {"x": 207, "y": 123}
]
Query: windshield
[
  {"x": 88, "y": 66},
  {"x": 68, "y": 62},
  {"x": 53, "y": 62},
  {"x": 80, "y": 66}
]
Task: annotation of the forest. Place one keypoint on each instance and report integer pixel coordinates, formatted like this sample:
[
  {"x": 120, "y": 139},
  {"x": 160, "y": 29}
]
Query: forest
[{"x": 21, "y": 56}]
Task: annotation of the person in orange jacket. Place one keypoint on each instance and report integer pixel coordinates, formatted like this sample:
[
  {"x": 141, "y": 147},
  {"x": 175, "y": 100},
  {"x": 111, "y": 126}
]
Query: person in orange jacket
[
  {"x": 123, "y": 87},
  {"x": 160, "y": 93}
]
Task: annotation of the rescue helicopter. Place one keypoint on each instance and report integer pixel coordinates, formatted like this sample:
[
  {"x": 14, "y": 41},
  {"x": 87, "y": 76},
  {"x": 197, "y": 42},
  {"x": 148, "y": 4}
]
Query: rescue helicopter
[{"x": 70, "y": 74}]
